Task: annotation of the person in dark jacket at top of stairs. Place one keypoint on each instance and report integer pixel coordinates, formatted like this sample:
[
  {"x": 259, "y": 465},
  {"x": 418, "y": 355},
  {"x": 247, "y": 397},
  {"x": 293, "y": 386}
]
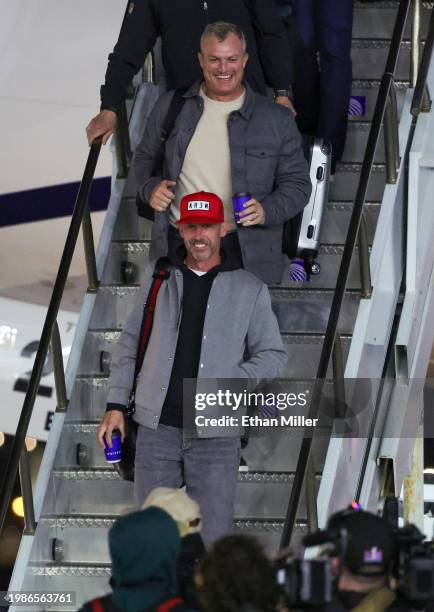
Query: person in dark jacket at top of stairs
[
  {"x": 180, "y": 25},
  {"x": 320, "y": 36},
  {"x": 144, "y": 548}
]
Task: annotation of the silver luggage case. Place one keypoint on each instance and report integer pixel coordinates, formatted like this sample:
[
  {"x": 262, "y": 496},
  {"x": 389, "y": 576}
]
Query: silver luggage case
[{"x": 302, "y": 233}]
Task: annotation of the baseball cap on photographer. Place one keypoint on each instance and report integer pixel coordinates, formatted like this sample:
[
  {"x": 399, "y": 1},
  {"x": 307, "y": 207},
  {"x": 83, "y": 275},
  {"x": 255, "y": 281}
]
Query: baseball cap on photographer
[
  {"x": 363, "y": 541},
  {"x": 201, "y": 207},
  {"x": 181, "y": 507}
]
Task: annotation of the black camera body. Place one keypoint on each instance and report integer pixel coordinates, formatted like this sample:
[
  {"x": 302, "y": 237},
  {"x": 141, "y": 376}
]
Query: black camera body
[
  {"x": 306, "y": 583},
  {"x": 414, "y": 565}
]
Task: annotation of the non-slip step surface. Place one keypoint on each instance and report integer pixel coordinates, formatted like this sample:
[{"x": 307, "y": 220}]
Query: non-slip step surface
[
  {"x": 303, "y": 353},
  {"x": 369, "y": 57},
  {"x": 136, "y": 255},
  {"x": 308, "y": 310},
  {"x": 347, "y": 180}
]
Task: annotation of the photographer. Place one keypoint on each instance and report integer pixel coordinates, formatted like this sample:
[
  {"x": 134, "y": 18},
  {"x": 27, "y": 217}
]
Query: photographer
[{"x": 362, "y": 555}]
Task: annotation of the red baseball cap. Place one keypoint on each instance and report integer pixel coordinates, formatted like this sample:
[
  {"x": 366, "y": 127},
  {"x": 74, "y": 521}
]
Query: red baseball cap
[{"x": 201, "y": 207}]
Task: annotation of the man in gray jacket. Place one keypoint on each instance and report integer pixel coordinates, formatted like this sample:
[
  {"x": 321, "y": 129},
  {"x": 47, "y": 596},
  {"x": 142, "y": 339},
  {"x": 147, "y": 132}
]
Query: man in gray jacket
[
  {"x": 226, "y": 140},
  {"x": 212, "y": 321}
]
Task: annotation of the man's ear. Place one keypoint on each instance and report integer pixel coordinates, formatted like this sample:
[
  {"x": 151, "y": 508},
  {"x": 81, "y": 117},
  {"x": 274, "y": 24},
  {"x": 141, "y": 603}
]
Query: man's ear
[
  {"x": 245, "y": 59},
  {"x": 180, "y": 229},
  {"x": 223, "y": 230},
  {"x": 200, "y": 58}
]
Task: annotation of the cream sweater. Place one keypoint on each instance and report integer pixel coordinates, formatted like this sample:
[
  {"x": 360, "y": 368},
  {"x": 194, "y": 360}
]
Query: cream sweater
[{"x": 207, "y": 163}]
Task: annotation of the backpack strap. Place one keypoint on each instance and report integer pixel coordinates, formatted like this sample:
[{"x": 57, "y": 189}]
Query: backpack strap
[
  {"x": 170, "y": 604},
  {"x": 175, "y": 107},
  {"x": 161, "y": 273},
  {"x": 97, "y": 605}
]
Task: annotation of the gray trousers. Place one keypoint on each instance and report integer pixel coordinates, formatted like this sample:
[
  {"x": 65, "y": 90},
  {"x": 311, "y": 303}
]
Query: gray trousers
[{"x": 208, "y": 467}]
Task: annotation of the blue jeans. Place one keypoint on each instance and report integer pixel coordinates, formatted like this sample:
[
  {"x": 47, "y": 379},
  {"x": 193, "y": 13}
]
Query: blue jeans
[
  {"x": 322, "y": 92},
  {"x": 208, "y": 467}
]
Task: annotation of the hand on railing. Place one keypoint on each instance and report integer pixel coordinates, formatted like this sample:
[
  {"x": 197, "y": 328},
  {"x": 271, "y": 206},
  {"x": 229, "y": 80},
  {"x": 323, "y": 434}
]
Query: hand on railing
[{"x": 103, "y": 124}]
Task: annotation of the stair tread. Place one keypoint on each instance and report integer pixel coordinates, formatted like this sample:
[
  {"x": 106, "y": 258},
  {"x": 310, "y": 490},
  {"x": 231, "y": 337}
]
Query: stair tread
[
  {"x": 375, "y": 83},
  {"x": 385, "y": 4},
  {"x": 262, "y": 476}
]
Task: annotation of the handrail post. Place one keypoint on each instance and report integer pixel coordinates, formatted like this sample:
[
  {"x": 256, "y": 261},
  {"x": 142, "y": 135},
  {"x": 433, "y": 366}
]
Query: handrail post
[
  {"x": 311, "y": 494},
  {"x": 89, "y": 251},
  {"x": 26, "y": 492},
  {"x": 421, "y": 99},
  {"x": 415, "y": 54},
  {"x": 395, "y": 121},
  {"x": 122, "y": 142},
  {"x": 365, "y": 268},
  {"x": 338, "y": 378},
  {"x": 390, "y": 128},
  {"x": 59, "y": 373},
  {"x": 415, "y": 42}
]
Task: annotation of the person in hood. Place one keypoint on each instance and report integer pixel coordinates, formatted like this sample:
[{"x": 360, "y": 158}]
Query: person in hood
[{"x": 144, "y": 548}]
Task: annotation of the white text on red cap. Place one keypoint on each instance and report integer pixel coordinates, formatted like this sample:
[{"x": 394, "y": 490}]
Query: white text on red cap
[{"x": 198, "y": 205}]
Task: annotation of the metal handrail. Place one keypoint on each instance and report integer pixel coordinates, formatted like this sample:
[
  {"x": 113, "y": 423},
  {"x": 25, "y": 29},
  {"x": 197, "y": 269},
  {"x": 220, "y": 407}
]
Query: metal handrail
[
  {"x": 419, "y": 103},
  {"x": 122, "y": 140},
  {"x": 353, "y": 230},
  {"x": 417, "y": 106},
  {"x": 78, "y": 214}
]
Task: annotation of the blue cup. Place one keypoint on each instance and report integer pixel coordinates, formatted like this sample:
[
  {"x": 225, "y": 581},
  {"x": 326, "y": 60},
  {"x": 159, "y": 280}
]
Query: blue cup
[
  {"x": 113, "y": 454},
  {"x": 238, "y": 201}
]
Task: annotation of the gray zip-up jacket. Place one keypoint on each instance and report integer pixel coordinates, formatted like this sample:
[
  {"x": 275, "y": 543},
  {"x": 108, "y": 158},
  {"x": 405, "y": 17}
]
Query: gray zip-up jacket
[
  {"x": 239, "y": 321},
  {"x": 266, "y": 160}
]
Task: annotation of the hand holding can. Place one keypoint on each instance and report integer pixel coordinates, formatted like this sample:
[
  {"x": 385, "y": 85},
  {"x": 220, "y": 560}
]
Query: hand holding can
[
  {"x": 113, "y": 453},
  {"x": 238, "y": 201}
]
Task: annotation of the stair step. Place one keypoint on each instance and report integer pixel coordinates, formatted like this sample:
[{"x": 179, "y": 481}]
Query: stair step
[
  {"x": 357, "y": 139},
  {"x": 129, "y": 225},
  {"x": 369, "y": 57},
  {"x": 376, "y": 19},
  {"x": 136, "y": 253},
  {"x": 347, "y": 179},
  {"x": 307, "y": 310},
  {"x": 368, "y": 89},
  {"x": 337, "y": 218},
  {"x": 270, "y": 457},
  {"x": 115, "y": 302},
  {"x": 303, "y": 352}
]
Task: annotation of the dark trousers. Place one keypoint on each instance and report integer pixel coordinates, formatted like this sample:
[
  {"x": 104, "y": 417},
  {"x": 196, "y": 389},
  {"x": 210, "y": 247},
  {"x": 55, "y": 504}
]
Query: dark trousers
[{"x": 322, "y": 92}]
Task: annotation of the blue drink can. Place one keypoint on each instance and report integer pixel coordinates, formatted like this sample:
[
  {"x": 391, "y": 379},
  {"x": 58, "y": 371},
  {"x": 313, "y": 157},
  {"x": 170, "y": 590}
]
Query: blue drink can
[
  {"x": 113, "y": 454},
  {"x": 238, "y": 201}
]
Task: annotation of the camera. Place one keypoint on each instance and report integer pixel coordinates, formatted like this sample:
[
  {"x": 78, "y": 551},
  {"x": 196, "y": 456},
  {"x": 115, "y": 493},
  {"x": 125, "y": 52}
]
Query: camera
[
  {"x": 414, "y": 565},
  {"x": 305, "y": 583}
]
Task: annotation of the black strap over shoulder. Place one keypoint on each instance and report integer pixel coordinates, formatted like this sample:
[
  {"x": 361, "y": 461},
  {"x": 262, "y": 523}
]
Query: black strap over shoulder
[
  {"x": 176, "y": 104},
  {"x": 160, "y": 274},
  {"x": 175, "y": 107}
]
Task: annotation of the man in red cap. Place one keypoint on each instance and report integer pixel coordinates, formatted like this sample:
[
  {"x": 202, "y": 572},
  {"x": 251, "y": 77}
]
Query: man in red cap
[{"x": 212, "y": 320}]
